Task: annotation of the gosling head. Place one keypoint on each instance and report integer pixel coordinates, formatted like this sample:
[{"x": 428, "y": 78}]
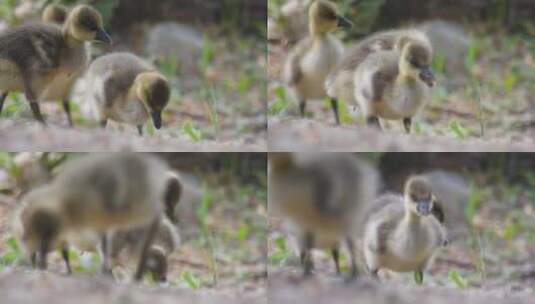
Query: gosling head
[
  {"x": 153, "y": 90},
  {"x": 157, "y": 264},
  {"x": 85, "y": 24},
  {"x": 324, "y": 17},
  {"x": 419, "y": 198},
  {"x": 54, "y": 13},
  {"x": 41, "y": 226},
  {"x": 415, "y": 61}
]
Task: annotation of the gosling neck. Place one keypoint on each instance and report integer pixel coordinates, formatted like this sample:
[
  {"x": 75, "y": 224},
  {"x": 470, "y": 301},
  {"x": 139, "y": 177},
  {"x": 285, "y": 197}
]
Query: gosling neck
[
  {"x": 132, "y": 93},
  {"x": 411, "y": 217},
  {"x": 69, "y": 38},
  {"x": 316, "y": 32},
  {"x": 404, "y": 76},
  {"x": 133, "y": 96}
]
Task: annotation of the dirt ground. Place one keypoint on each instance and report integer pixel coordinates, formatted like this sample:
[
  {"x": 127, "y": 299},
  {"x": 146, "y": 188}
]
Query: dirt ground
[
  {"x": 304, "y": 134},
  {"x": 24, "y": 287},
  {"x": 30, "y": 136},
  {"x": 287, "y": 289}
]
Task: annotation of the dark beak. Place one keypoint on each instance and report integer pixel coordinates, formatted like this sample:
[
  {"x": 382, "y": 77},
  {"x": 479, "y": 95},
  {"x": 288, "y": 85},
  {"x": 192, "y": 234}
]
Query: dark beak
[
  {"x": 424, "y": 207},
  {"x": 343, "y": 22},
  {"x": 157, "y": 119},
  {"x": 102, "y": 36},
  {"x": 427, "y": 76}
]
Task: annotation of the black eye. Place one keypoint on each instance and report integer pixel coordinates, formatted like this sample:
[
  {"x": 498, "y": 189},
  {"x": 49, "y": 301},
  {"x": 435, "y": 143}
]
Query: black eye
[
  {"x": 88, "y": 23},
  {"x": 329, "y": 15},
  {"x": 414, "y": 62},
  {"x": 90, "y": 26}
]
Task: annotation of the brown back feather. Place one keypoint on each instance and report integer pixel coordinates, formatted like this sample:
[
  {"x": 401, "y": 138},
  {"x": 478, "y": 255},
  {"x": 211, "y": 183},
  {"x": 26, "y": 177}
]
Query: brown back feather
[{"x": 34, "y": 48}]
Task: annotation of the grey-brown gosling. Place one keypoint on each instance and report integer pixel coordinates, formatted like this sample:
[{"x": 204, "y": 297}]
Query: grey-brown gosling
[
  {"x": 55, "y": 13},
  {"x": 124, "y": 88},
  {"x": 340, "y": 83},
  {"x": 394, "y": 84},
  {"x": 44, "y": 60},
  {"x": 403, "y": 235},
  {"x": 99, "y": 193},
  {"x": 324, "y": 196},
  {"x": 311, "y": 60}
]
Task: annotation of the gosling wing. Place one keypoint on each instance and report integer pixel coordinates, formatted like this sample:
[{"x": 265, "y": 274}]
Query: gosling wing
[{"x": 34, "y": 47}]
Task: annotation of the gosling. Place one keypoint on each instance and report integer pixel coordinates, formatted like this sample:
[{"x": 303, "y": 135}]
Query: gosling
[
  {"x": 394, "y": 85},
  {"x": 101, "y": 194},
  {"x": 44, "y": 60},
  {"x": 403, "y": 235},
  {"x": 340, "y": 84},
  {"x": 54, "y": 13},
  {"x": 312, "y": 58},
  {"x": 124, "y": 88},
  {"x": 323, "y": 196}
]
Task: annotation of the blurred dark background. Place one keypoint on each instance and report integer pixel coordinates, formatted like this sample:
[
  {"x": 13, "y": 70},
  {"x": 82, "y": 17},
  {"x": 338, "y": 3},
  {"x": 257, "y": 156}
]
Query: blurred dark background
[
  {"x": 245, "y": 15},
  {"x": 508, "y": 13},
  {"x": 509, "y": 167}
]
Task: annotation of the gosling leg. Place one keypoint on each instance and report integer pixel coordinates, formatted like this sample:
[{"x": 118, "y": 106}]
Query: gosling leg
[
  {"x": 140, "y": 130},
  {"x": 105, "y": 253},
  {"x": 33, "y": 258},
  {"x": 66, "y": 259},
  {"x": 419, "y": 277},
  {"x": 306, "y": 254},
  {"x": 151, "y": 233},
  {"x": 42, "y": 254},
  {"x": 2, "y": 100},
  {"x": 30, "y": 96},
  {"x": 334, "y": 106},
  {"x": 67, "y": 109},
  {"x": 37, "y": 112},
  {"x": 407, "y": 123},
  {"x": 373, "y": 121},
  {"x": 302, "y": 108},
  {"x": 336, "y": 258},
  {"x": 351, "y": 248}
]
